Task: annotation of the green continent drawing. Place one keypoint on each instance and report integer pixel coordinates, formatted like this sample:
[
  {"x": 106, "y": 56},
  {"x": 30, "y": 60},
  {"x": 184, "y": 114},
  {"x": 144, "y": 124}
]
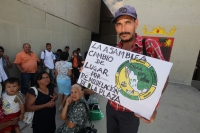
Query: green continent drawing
[{"x": 136, "y": 79}]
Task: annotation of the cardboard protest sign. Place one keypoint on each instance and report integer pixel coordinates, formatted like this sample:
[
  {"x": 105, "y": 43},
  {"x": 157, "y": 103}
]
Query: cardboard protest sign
[{"x": 130, "y": 79}]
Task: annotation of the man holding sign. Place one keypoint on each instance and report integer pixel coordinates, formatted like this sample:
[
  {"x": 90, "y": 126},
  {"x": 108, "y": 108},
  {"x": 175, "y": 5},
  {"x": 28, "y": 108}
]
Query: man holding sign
[{"x": 119, "y": 118}]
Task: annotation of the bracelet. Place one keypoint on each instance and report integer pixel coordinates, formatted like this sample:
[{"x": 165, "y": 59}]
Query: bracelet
[{"x": 23, "y": 113}]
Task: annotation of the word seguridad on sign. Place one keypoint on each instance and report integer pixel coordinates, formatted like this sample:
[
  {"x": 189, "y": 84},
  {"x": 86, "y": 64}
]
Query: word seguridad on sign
[{"x": 135, "y": 81}]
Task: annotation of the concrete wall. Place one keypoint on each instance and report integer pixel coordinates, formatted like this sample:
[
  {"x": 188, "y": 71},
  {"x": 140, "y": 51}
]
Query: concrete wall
[
  {"x": 20, "y": 23},
  {"x": 85, "y": 13},
  {"x": 185, "y": 15}
]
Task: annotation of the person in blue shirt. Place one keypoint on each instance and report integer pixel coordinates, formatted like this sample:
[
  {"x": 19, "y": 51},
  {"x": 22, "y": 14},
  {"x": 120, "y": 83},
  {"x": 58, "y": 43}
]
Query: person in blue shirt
[{"x": 57, "y": 54}]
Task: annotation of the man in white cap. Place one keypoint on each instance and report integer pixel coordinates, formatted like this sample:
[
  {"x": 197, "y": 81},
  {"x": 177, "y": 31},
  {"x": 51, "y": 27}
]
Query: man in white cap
[{"x": 119, "y": 118}]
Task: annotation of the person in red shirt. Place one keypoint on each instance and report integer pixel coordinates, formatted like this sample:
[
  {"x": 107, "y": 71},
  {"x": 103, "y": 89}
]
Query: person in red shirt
[
  {"x": 76, "y": 64},
  {"x": 120, "y": 119}
]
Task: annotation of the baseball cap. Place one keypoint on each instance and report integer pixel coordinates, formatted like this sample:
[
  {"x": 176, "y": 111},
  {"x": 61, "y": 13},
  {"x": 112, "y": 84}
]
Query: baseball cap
[{"x": 125, "y": 10}]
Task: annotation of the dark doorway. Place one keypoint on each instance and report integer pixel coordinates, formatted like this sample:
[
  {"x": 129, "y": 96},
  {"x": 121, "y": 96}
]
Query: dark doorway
[
  {"x": 107, "y": 34},
  {"x": 196, "y": 75}
]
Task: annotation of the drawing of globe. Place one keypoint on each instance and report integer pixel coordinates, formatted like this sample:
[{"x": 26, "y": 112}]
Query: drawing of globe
[{"x": 136, "y": 79}]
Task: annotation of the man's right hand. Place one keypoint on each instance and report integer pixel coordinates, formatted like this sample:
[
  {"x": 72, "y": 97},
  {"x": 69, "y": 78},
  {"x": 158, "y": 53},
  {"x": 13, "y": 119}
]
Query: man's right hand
[{"x": 22, "y": 71}]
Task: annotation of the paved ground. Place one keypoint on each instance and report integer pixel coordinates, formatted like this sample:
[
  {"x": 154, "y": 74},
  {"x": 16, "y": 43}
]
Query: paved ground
[{"x": 178, "y": 112}]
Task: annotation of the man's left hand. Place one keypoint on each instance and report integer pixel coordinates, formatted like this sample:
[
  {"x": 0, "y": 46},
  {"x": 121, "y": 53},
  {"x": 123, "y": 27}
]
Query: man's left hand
[
  {"x": 145, "y": 120},
  {"x": 6, "y": 57}
]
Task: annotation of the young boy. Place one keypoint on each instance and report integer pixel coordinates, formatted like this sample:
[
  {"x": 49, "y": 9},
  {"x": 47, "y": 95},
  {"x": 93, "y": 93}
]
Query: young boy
[{"x": 12, "y": 104}]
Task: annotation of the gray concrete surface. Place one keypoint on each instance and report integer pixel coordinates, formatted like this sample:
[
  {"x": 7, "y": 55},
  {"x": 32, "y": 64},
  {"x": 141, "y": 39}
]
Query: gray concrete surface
[{"x": 178, "y": 112}]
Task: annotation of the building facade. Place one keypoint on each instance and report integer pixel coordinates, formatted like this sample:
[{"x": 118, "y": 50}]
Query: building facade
[
  {"x": 76, "y": 23},
  {"x": 59, "y": 22}
]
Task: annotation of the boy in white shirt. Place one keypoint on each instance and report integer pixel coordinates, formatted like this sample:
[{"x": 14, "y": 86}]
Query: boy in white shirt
[{"x": 12, "y": 104}]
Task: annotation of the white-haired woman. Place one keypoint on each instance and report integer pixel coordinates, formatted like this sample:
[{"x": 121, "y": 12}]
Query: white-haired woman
[{"x": 74, "y": 112}]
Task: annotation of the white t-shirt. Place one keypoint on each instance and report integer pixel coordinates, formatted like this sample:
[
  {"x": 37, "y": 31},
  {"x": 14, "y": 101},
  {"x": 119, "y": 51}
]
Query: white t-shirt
[
  {"x": 48, "y": 58},
  {"x": 11, "y": 104}
]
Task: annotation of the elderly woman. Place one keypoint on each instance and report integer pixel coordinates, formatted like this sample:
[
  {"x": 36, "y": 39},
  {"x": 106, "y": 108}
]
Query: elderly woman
[
  {"x": 74, "y": 112},
  {"x": 43, "y": 104}
]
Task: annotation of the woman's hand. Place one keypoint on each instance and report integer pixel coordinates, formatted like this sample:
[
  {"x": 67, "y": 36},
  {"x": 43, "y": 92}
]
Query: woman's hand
[
  {"x": 50, "y": 104},
  {"x": 54, "y": 97},
  {"x": 63, "y": 114},
  {"x": 68, "y": 101}
]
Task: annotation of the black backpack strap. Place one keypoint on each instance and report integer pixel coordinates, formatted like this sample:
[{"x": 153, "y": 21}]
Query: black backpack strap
[
  {"x": 44, "y": 53},
  {"x": 144, "y": 48}
]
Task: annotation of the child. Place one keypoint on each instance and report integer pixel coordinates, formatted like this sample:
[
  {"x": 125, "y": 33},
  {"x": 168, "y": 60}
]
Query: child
[{"x": 12, "y": 104}]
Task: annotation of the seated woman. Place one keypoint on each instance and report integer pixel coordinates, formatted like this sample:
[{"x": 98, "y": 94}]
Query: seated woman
[
  {"x": 43, "y": 104},
  {"x": 74, "y": 112}
]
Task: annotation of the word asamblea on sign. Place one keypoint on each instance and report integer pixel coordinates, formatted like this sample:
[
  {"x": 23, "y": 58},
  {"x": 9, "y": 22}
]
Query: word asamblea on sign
[{"x": 113, "y": 51}]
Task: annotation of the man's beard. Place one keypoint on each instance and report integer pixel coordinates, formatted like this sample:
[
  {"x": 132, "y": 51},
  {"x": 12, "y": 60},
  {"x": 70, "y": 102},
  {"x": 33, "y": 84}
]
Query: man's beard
[{"x": 127, "y": 40}]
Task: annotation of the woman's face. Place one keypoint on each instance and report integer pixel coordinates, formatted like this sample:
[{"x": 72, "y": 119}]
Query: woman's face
[
  {"x": 76, "y": 94},
  {"x": 45, "y": 80},
  {"x": 75, "y": 54}
]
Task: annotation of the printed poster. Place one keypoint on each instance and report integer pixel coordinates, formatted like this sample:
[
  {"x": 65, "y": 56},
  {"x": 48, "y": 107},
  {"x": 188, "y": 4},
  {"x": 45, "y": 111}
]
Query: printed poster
[{"x": 130, "y": 79}]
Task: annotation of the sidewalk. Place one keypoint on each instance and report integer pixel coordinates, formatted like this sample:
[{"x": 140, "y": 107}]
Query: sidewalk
[{"x": 178, "y": 112}]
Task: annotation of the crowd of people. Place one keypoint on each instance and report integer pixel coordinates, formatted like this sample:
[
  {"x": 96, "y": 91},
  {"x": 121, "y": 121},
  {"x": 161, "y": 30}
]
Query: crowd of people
[
  {"x": 42, "y": 102},
  {"x": 18, "y": 97}
]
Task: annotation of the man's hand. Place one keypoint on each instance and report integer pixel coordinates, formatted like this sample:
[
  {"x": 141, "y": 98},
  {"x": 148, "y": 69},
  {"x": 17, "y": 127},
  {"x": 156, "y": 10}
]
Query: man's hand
[
  {"x": 145, "y": 120},
  {"x": 22, "y": 71},
  {"x": 6, "y": 57}
]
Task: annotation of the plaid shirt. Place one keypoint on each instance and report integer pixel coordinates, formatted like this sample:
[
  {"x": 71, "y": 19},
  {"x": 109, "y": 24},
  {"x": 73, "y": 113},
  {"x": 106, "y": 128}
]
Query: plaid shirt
[{"x": 152, "y": 49}]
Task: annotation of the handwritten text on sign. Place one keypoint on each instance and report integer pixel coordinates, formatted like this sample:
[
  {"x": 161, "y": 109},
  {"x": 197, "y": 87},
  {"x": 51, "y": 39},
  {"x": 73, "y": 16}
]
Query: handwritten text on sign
[{"x": 130, "y": 79}]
